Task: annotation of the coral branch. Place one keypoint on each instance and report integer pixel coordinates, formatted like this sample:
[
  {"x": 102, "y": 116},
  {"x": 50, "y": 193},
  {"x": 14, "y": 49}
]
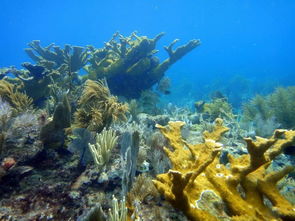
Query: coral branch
[{"x": 196, "y": 170}]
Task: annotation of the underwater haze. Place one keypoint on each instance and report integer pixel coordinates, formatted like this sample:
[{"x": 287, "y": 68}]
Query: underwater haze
[
  {"x": 140, "y": 110},
  {"x": 252, "y": 41}
]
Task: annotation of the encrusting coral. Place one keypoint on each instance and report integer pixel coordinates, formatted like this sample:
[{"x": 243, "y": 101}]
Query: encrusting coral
[
  {"x": 98, "y": 108},
  {"x": 243, "y": 186}
]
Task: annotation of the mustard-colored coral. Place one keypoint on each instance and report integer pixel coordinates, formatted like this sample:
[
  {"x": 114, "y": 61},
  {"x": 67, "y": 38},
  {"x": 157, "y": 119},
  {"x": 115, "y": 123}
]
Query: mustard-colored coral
[
  {"x": 98, "y": 108},
  {"x": 243, "y": 186}
]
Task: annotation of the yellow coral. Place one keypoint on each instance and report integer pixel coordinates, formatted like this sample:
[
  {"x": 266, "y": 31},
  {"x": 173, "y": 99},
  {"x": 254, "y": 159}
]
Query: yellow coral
[{"x": 242, "y": 186}]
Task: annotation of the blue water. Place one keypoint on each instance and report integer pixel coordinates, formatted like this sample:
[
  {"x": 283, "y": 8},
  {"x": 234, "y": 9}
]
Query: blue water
[{"x": 252, "y": 41}]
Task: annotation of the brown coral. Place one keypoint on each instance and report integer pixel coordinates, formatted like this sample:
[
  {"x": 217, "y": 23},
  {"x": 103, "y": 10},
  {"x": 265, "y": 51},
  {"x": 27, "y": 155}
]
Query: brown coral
[
  {"x": 131, "y": 61},
  {"x": 98, "y": 108},
  {"x": 17, "y": 100}
]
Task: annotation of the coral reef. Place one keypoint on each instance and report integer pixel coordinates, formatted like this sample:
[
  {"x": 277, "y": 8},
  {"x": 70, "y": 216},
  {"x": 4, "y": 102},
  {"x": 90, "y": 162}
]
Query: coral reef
[
  {"x": 98, "y": 108},
  {"x": 131, "y": 61},
  {"x": 243, "y": 186},
  {"x": 46, "y": 153}
]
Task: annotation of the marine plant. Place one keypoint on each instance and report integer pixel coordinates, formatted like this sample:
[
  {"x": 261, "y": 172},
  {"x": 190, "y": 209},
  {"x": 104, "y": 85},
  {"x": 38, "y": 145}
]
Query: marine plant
[
  {"x": 102, "y": 148},
  {"x": 279, "y": 105},
  {"x": 129, "y": 143},
  {"x": 118, "y": 212},
  {"x": 134, "y": 109},
  {"x": 282, "y": 102},
  {"x": 257, "y": 106},
  {"x": 17, "y": 100},
  {"x": 53, "y": 133},
  {"x": 35, "y": 80},
  {"x": 15, "y": 128},
  {"x": 5, "y": 118},
  {"x": 242, "y": 186},
  {"x": 131, "y": 61},
  {"x": 141, "y": 190},
  {"x": 97, "y": 108},
  {"x": 216, "y": 108},
  {"x": 80, "y": 140}
]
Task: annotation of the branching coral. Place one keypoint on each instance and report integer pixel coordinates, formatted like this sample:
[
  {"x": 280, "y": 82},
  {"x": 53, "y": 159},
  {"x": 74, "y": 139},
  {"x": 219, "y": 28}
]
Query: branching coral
[
  {"x": 73, "y": 57},
  {"x": 243, "y": 185},
  {"x": 98, "y": 108},
  {"x": 131, "y": 61},
  {"x": 35, "y": 80},
  {"x": 54, "y": 66}
]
